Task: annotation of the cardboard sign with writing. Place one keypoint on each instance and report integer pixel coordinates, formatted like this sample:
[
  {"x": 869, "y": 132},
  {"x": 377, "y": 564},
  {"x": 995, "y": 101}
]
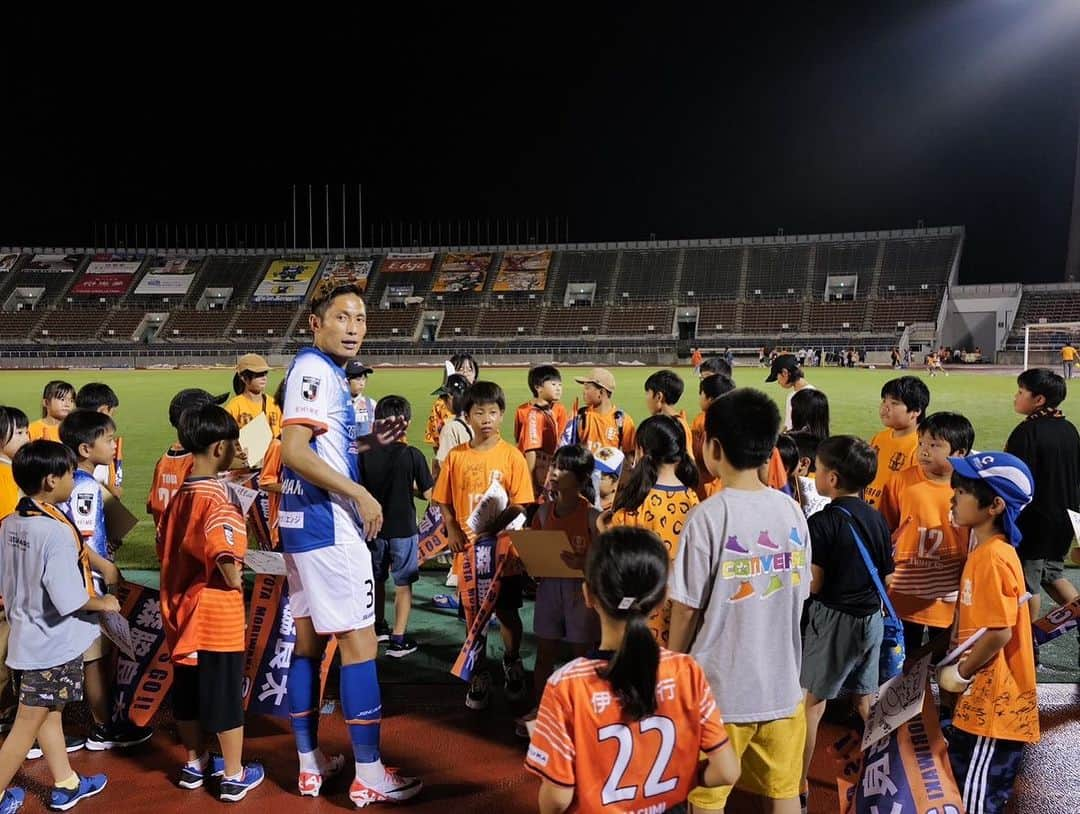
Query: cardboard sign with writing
[
  {"x": 542, "y": 551},
  {"x": 118, "y": 520},
  {"x": 898, "y": 700},
  {"x": 255, "y": 438}
]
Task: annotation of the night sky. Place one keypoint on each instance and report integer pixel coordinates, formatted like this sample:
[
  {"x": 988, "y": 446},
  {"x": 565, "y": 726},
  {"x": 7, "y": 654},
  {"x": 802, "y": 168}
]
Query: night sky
[{"x": 623, "y": 120}]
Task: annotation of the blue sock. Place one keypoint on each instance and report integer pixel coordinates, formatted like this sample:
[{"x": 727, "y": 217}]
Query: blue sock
[
  {"x": 303, "y": 695},
  {"x": 361, "y": 703}
]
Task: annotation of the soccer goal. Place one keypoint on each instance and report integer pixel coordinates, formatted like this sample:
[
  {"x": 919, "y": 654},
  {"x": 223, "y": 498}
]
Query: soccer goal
[{"x": 1037, "y": 335}]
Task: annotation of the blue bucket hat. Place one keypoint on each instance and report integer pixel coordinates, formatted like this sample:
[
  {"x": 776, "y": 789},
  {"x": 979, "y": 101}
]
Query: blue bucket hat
[{"x": 1010, "y": 479}]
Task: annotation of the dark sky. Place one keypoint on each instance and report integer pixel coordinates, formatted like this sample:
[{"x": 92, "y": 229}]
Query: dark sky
[{"x": 624, "y": 119}]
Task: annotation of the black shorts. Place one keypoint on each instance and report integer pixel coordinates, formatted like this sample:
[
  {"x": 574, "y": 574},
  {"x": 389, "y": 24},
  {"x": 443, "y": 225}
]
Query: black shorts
[
  {"x": 510, "y": 589},
  {"x": 211, "y": 692},
  {"x": 52, "y": 687}
]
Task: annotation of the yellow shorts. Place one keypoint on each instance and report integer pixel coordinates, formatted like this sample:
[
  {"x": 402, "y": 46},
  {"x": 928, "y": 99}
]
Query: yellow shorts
[{"x": 770, "y": 758}]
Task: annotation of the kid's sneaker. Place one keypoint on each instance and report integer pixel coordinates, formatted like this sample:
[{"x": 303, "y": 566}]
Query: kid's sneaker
[
  {"x": 192, "y": 777},
  {"x": 63, "y": 799},
  {"x": 233, "y": 789}
]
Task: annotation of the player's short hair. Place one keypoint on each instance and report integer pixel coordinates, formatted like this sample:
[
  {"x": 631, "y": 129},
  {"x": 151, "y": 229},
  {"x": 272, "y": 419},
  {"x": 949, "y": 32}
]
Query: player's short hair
[
  {"x": 666, "y": 382},
  {"x": 84, "y": 427},
  {"x": 952, "y": 428},
  {"x": 483, "y": 393},
  {"x": 393, "y": 407},
  {"x": 38, "y": 460},
  {"x": 746, "y": 423},
  {"x": 541, "y": 375},
  {"x": 984, "y": 493},
  {"x": 203, "y": 426},
  {"x": 715, "y": 366},
  {"x": 807, "y": 443},
  {"x": 1040, "y": 381},
  {"x": 911, "y": 391},
  {"x": 626, "y": 570},
  {"x": 322, "y": 301},
  {"x": 95, "y": 395},
  {"x": 189, "y": 398},
  {"x": 11, "y": 420},
  {"x": 852, "y": 459},
  {"x": 713, "y": 387}
]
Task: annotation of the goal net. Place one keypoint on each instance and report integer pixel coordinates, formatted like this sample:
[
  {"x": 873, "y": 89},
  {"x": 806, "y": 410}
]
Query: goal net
[{"x": 1043, "y": 336}]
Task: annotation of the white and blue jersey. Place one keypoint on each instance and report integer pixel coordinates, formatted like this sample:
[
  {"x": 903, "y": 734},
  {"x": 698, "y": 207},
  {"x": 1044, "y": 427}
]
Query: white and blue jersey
[
  {"x": 317, "y": 396},
  {"x": 86, "y": 509}
]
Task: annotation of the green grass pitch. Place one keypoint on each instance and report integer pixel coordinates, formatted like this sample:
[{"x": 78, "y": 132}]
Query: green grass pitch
[{"x": 142, "y": 419}]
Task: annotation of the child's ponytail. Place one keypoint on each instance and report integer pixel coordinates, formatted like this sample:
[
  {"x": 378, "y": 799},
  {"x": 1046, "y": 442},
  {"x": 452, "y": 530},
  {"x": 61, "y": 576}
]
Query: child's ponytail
[
  {"x": 626, "y": 572},
  {"x": 661, "y": 440}
]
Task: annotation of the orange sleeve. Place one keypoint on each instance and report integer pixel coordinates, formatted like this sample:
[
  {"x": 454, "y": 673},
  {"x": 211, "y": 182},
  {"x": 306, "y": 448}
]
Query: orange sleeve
[
  {"x": 225, "y": 533},
  {"x": 994, "y": 593},
  {"x": 551, "y": 749},
  {"x": 889, "y": 505},
  {"x": 271, "y": 468},
  {"x": 520, "y": 489},
  {"x": 777, "y": 474},
  {"x": 629, "y": 435},
  {"x": 532, "y": 431},
  {"x": 444, "y": 488}
]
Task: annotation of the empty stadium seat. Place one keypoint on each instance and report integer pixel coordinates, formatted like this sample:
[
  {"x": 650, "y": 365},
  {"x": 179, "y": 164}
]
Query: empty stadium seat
[
  {"x": 646, "y": 275},
  {"x": 507, "y": 321},
  {"x": 193, "y": 324},
  {"x": 459, "y": 322},
  {"x": 74, "y": 323},
  {"x": 710, "y": 274},
  {"x": 917, "y": 264},
  {"x": 263, "y": 322},
  {"x": 574, "y": 321},
  {"x": 642, "y": 319},
  {"x": 777, "y": 272}
]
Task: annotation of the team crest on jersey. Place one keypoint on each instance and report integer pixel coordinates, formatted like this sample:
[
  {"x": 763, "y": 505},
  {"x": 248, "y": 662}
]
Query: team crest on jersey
[
  {"x": 309, "y": 388},
  {"x": 896, "y": 462},
  {"x": 229, "y": 538},
  {"x": 83, "y": 503}
]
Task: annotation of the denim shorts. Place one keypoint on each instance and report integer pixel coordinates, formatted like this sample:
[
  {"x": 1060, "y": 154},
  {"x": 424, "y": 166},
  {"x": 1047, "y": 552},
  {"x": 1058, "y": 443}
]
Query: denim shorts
[{"x": 396, "y": 557}]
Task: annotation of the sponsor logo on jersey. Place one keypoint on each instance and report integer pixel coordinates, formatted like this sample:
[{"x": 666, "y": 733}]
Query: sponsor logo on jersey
[
  {"x": 291, "y": 520},
  {"x": 538, "y": 755},
  {"x": 84, "y": 503}
]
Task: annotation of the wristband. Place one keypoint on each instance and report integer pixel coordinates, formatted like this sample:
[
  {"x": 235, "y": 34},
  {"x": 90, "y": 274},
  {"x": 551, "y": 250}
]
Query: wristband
[{"x": 949, "y": 679}]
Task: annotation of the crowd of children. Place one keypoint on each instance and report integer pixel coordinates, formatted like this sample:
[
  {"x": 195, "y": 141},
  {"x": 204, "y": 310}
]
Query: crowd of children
[{"x": 703, "y": 587}]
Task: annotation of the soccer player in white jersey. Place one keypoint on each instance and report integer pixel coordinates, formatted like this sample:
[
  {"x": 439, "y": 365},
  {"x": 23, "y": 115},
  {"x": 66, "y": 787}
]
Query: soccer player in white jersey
[{"x": 325, "y": 517}]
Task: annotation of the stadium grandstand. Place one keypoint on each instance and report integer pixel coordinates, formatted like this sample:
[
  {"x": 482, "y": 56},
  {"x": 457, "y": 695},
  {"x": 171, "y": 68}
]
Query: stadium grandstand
[{"x": 868, "y": 290}]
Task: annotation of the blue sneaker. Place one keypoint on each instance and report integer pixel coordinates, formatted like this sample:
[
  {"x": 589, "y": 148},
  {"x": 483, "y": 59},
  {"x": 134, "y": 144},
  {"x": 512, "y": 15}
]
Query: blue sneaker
[
  {"x": 192, "y": 777},
  {"x": 233, "y": 790},
  {"x": 12, "y": 800},
  {"x": 63, "y": 799}
]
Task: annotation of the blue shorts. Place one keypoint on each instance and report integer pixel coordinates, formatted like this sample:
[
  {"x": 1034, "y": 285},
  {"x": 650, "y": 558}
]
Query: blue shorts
[{"x": 396, "y": 557}]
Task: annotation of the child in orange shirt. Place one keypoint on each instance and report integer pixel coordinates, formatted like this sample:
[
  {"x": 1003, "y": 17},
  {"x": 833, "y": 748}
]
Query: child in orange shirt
[
  {"x": 658, "y": 495},
  {"x": 201, "y": 542},
  {"x": 663, "y": 389},
  {"x": 13, "y": 437},
  {"x": 270, "y": 477},
  {"x": 173, "y": 467},
  {"x": 57, "y": 400},
  {"x": 929, "y": 548},
  {"x": 539, "y": 423},
  {"x": 997, "y": 709},
  {"x": 462, "y": 482},
  {"x": 608, "y": 721},
  {"x": 903, "y": 407},
  {"x": 600, "y": 423},
  {"x": 441, "y": 411},
  {"x": 712, "y": 387}
]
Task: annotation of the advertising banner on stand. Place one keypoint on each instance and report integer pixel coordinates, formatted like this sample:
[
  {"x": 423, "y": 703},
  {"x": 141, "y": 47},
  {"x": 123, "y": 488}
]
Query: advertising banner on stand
[
  {"x": 167, "y": 275},
  {"x": 462, "y": 272},
  {"x": 286, "y": 281},
  {"x": 344, "y": 271},
  {"x": 106, "y": 277},
  {"x": 523, "y": 271},
  {"x": 414, "y": 262}
]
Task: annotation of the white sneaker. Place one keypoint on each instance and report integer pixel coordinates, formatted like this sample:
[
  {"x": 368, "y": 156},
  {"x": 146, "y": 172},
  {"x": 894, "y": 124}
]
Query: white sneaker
[
  {"x": 451, "y": 579},
  {"x": 479, "y": 692},
  {"x": 393, "y": 789}
]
